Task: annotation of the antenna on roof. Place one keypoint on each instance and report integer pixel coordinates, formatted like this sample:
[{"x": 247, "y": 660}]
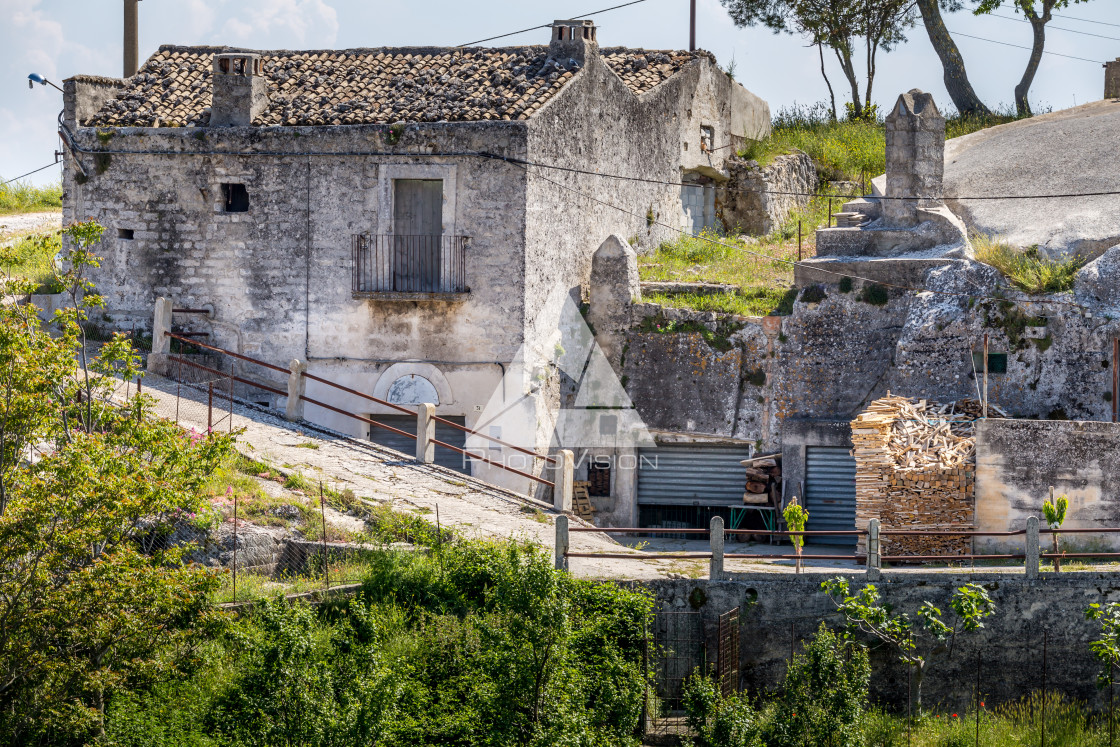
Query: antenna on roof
[
  {"x": 131, "y": 38},
  {"x": 692, "y": 26}
]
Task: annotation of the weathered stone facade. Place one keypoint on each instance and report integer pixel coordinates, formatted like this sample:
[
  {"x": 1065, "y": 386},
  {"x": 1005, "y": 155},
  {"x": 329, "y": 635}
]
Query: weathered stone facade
[{"x": 312, "y": 171}]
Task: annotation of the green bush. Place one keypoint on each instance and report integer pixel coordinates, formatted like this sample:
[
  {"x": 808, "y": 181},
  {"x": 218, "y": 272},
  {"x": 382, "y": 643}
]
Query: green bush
[
  {"x": 1026, "y": 268},
  {"x": 875, "y": 294},
  {"x": 824, "y": 695},
  {"x": 23, "y": 197},
  {"x": 719, "y": 721}
]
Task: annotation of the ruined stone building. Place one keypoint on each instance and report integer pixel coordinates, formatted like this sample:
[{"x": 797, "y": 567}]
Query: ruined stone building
[{"x": 379, "y": 213}]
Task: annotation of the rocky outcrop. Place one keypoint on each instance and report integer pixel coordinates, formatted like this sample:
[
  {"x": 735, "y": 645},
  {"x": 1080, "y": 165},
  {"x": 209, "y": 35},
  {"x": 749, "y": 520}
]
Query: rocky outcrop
[{"x": 757, "y": 200}]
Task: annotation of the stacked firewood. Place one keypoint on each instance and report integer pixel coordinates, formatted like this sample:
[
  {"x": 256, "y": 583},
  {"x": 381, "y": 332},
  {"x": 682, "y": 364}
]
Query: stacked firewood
[
  {"x": 915, "y": 470},
  {"x": 764, "y": 476}
]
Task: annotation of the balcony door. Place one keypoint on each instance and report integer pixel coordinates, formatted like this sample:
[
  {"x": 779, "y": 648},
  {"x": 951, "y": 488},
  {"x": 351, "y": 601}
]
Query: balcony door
[{"x": 417, "y": 235}]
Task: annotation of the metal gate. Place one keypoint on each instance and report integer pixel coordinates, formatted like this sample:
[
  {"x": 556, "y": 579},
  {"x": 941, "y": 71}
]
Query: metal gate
[
  {"x": 727, "y": 652},
  {"x": 447, "y": 434},
  {"x": 678, "y": 649},
  {"x": 830, "y": 492}
]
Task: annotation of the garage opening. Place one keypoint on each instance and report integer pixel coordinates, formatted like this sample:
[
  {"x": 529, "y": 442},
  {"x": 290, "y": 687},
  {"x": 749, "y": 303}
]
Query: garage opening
[
  {"x": 685, "y": 485},
  {"x": 447, "y": 434},
  {"x": 830, "y": 492}
]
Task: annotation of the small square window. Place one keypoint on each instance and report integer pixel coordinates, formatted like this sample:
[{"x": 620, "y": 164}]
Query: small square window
[
  {"x": 997, "y": 362},
  {"x": 707, "y": 138},
  {"x": 125, "y": 233},
  {"x": 235, "y": 198}
]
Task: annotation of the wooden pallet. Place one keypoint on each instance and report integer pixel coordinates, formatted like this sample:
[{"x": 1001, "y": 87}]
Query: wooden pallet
[{"x": 581, "y": 501}]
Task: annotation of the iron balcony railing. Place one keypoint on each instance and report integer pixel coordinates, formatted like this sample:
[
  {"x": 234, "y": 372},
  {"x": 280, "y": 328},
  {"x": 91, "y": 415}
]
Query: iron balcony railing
[{"x": 386, "y": 263}]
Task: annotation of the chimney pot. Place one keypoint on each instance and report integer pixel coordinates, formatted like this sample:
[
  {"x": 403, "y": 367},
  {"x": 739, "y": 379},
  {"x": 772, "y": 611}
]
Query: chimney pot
[
  {"x": 573, "y": 40},
  {"x": 240, "y": 92}
]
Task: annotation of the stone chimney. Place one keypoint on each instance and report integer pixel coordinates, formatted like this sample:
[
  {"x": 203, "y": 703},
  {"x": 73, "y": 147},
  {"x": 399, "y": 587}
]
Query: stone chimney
[
  {"x": 1112, "y": 79},
  {"x": 915, "y": 159},
  {"x": 240, "y": 92},
  {"x": 573, "y": 40}
]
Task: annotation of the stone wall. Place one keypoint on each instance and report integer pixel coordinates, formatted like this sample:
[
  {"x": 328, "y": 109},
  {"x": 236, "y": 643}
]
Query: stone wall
[
  {"x": 1018, "y": 460},
  {"x": 757, "y": 200},
  {"x": 1112, "y": 79},
  {"x": 780, "y": 609}
]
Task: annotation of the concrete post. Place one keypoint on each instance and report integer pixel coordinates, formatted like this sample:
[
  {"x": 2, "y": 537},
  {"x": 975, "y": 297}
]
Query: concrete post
[
  {"x": 1112, "y": 79},
  {"x": 565, "y": 475},
  {"x": 131, "y": 37},
  {"x": 562, "y": 542},
  {"x": 296, "y": 386},
  {"x": 425, "y": 432},
  {"x": 915, "y": 132},
  {"x": 874, "y": 554},
  {"x": 161, "y": 343},
  {"x": 1030, "y": 563},
  {"x": 715, "y": 569}
]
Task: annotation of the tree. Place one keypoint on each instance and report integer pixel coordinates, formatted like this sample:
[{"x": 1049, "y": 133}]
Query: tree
[
  {"x": 836, "y": 24},
  {"x": 1055, "y": 515},
  {"x": 90, "y": 606},
  {"x": 956, "y": 78},
  {"x": 865, "y": 612},
  {"x": 1107, "y": 647},
  {"x": 1038, "y": 23},
  {"x": 796, "y": 518}
]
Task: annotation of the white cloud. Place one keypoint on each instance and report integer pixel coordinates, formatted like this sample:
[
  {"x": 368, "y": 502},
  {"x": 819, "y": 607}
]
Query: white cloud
[{"x": 296, "y": 23}]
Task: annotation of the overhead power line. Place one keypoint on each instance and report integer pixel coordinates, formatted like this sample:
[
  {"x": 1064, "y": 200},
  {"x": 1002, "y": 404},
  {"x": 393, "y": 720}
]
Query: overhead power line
[
  {"x": 1020, "y": 46},
  {"x": 549, "y": 25},
  {"x": 1087, "y": 20},
  {"x": 790, "y": 262},
  {"x": 29, "y": 173},
  {"x": 1051, "y": 27}
]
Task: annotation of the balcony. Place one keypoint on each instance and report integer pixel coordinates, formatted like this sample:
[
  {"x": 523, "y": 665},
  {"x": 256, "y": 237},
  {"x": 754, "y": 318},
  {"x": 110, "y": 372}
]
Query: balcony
[{"x": 410, "y": 268}]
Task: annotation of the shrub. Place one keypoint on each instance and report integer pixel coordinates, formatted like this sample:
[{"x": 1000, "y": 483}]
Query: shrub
[
  {"x": 719, "y": 721},
  {"x": 1027, "y": 269},
  {"x": 23, "y": 197},
  {"x": 875, "y": 294},
  {"x": 813, "y": 294},
  {"x": 845, "y": 284},
  {"x": 824, "y": 695}
]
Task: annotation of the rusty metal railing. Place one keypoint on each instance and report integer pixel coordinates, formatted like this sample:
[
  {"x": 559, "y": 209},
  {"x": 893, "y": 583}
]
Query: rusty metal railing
[
  {"x": 361, "y": 418},
  {"x": 389, "y": 263}
]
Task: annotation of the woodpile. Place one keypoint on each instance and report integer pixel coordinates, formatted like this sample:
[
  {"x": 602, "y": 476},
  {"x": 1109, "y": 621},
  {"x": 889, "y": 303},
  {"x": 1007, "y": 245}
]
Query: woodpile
[
  {"x": 915, "y": 469},
  {"x": 764, "y": 479}
]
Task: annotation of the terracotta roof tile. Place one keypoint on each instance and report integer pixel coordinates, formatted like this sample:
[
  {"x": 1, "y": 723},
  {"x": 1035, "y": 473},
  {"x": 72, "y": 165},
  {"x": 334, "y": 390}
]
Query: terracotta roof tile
[{"x": 372, "y": 86}]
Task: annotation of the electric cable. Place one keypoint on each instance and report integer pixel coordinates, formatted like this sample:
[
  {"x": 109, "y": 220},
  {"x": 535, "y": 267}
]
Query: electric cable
[
  {"x": 549, "y": 25},
  {"x": 29, "y": 173},
  {"x": 1020, "y": 46},
  {"x": 795, "y": 263},
  {"x": 1049, "y": 27}
]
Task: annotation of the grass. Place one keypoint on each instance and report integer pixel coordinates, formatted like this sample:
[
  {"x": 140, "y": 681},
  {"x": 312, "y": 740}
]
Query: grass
[
  {"x": 254, "y": 586},
  {"x": 1027, "y": 269},
  {"x": 1015, "y": 724},
  {"x": 30, "y": 258},
  {"x": 846, "y": 150},
  {"x": 22, "y": 197}
]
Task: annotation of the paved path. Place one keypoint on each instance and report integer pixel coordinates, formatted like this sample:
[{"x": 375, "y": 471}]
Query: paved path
[
  {"x": 471, "y": 507},
  {"x": 18, "y": 224}
]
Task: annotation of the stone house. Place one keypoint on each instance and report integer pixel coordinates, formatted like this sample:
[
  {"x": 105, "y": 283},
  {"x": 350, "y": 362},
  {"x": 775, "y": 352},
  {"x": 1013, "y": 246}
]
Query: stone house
[{"x": 380, "y": 214}]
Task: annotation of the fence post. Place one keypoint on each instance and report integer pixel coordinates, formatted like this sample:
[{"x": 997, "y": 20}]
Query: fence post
[
  {"x": 561, "y": 542},
  {"x": 161, "y": 343},
  {"x": 296, "y": 386},
  {"x": 1030, "y": 563},
  {"x": 715, "y": 568},
  {"x": 565, "y": 474},
  {"x": 874, "y": 551},
  {"x": 425, "y": 432}
]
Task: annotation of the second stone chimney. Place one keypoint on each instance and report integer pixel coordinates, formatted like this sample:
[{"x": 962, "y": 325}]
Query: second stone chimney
[
  {"x": 240, "y": 93},
  {"x": 1112, "y": 79},
  {"x": 573, "y": 40}
]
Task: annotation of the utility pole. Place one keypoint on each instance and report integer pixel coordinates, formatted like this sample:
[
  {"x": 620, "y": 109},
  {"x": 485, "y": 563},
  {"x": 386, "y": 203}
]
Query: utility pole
[
  {"x": 131, "y": 37},
  {"x": 692, "y": 26}
]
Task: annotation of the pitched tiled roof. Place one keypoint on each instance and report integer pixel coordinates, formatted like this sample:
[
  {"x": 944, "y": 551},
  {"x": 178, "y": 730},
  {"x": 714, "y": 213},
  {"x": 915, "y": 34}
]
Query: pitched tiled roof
[{"x": 373, "y": 86}]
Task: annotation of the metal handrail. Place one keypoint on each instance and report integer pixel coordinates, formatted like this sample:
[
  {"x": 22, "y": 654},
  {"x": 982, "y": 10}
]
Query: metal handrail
[{"x": 361, "y": 418}]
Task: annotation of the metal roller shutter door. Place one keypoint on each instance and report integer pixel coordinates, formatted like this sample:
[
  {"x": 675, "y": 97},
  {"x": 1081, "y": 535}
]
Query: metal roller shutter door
[
  {"x": 447, "y": 434},
  {"x": 830, "y": 492},
  {"x": 691, "y": 475}
]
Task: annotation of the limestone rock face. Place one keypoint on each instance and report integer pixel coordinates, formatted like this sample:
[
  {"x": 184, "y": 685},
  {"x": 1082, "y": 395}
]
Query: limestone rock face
[
  {"x": 1067, "y": 152},
  {"x": 1099, "y": 281},
  {"x": 757, "y": 200}
]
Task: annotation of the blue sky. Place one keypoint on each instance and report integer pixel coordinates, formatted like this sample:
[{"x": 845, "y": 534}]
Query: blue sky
[{"x": 59, "y": 38}]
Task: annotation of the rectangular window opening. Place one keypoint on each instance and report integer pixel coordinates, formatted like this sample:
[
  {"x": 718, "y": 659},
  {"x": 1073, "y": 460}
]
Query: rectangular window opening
[
  {"x": 235, "y": 198},
  {"x": 125, "y": 233},
  {"x": 599, "y": 475},
  {"x": 997, "y": 362}
]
